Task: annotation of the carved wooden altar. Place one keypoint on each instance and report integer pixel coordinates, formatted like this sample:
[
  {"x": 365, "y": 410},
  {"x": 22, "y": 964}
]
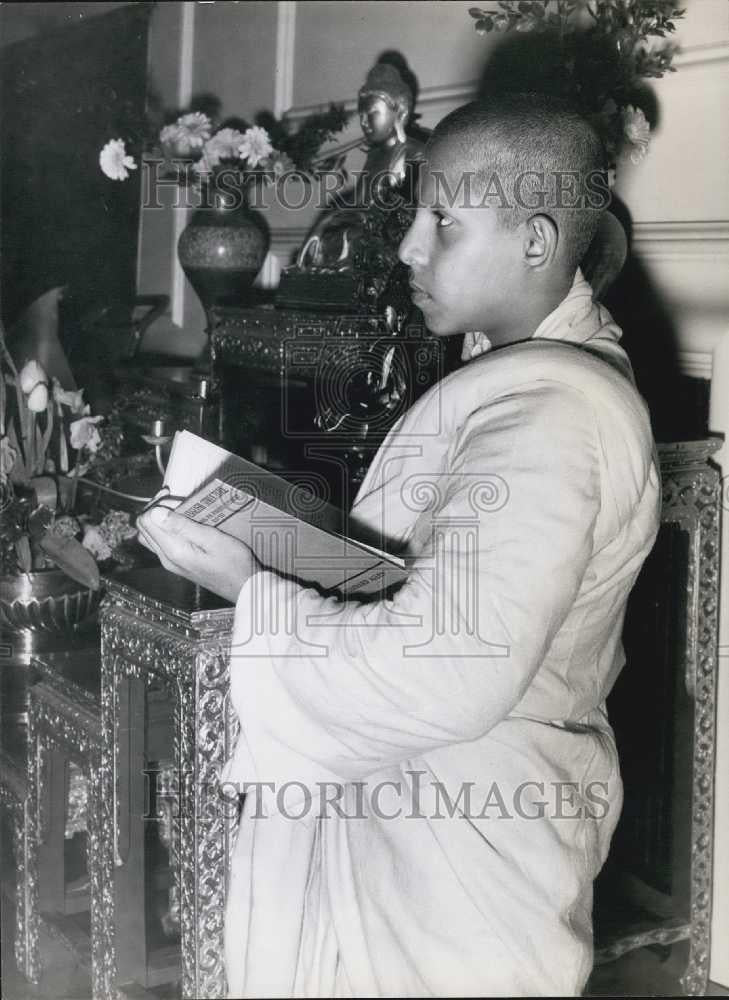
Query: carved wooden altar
[{"x": 302, "y": 391}]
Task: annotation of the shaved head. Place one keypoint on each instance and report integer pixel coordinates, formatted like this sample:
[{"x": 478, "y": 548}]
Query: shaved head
[{"x": 527, "y": 154}]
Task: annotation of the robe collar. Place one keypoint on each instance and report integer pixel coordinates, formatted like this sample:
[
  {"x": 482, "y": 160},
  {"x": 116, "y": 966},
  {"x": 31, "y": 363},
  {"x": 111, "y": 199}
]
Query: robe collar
[{"x": 576, "y": 320}]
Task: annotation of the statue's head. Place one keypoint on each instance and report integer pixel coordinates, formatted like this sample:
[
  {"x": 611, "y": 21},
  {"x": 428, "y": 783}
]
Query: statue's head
[{"x": 385, "y": 104}]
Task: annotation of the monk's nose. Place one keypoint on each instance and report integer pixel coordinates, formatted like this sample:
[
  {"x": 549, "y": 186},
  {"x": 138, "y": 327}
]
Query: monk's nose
[{"x": 412, "y": 250}]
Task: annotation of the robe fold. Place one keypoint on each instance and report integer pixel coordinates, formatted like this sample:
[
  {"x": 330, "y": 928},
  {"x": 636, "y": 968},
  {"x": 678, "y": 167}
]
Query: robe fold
[{"x": 431, "y": 780}]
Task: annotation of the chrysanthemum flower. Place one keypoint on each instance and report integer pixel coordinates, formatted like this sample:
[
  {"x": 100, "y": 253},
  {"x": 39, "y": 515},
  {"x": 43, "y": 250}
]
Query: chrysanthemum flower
[
  {"x": 187, "y": 135},
  {"x": 115, "y": 162},
  {"x": 222, "y": 146},
  {"x": 255, "y": 146}
]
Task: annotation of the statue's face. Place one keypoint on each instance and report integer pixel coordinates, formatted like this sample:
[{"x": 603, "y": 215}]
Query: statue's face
[{"x": 376, "y": 118}]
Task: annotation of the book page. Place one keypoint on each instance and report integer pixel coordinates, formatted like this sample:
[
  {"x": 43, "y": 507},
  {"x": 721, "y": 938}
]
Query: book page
[{"x": 194, "y": 462}]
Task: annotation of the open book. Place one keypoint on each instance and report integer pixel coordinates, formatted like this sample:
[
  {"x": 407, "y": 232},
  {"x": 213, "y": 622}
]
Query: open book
[{"x": 287, "y": 526}]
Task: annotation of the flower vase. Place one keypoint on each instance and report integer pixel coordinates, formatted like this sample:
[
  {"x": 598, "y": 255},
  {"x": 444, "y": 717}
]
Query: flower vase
[{"x": 223, "y": 247}]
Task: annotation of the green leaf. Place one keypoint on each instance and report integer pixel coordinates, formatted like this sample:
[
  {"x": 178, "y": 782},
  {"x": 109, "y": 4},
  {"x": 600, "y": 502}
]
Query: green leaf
[
  {"x": 70, "y": 556},
  {"x": 23, "y": 555}
]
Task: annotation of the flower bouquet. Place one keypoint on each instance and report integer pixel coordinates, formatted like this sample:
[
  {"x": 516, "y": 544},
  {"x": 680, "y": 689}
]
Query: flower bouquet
[
  {"x": 48, "y": 441},
  {"x": 224, "y": 246},
  {"x": 604, "y": 52},
  {"x": 198, "y": 151}
]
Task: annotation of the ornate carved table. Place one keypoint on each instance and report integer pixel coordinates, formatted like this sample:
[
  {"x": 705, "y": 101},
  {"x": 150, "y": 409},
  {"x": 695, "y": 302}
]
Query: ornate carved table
[
  {"x": 61, "y": 699},
  {"x": 158, "y": 631},
  {"x": 64, "y": 726},
  {"x": 663, "y": 708},
  {"x": 14, "y": 798}
]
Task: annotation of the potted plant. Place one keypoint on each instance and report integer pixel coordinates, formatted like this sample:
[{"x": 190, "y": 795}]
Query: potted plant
[{"x": 603, "y": 53}]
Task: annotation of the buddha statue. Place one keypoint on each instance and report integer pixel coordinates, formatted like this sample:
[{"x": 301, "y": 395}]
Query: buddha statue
[
  {"x": 385, "y": 106},
  {"x": 335, "y": 267}
]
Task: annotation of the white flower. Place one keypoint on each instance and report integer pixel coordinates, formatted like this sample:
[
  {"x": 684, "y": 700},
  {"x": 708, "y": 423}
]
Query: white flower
[
  {"x": 84, "y": 433},
  {"x": 637, "y": 131},
  {"x": 30, "y": 375},
  {"x": 256, "y": 146},
  {"x": 115, "y": 162},
  {"x": 224, "y": 145},
  {"x": 34, "y": 383},
  {"x": 94, "y": 541},
  {"x": 38, "y": 398},
  {"x": 187, "y": 134},
  {"x": 73, "y": 400}
]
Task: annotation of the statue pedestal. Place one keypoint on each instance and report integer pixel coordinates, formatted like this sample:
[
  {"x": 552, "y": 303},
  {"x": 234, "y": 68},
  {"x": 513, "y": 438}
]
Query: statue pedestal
[{"x": 312, "y": 394}]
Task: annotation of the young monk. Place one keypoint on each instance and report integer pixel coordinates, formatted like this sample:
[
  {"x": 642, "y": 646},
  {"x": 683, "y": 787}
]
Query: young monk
[{"x": 442, "y": 781}]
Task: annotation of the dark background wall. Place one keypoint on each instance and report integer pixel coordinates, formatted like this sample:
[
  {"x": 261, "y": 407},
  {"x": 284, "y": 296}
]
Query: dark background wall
[{"x": 66, "y": 88}]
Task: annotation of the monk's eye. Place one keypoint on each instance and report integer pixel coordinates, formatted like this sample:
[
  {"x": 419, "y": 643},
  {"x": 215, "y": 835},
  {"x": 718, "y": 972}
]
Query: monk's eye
[{"x": 442, "y": 221}]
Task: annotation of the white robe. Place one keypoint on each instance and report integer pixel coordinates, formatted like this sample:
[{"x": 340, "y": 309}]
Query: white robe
[{"x": 525, "y": 486}]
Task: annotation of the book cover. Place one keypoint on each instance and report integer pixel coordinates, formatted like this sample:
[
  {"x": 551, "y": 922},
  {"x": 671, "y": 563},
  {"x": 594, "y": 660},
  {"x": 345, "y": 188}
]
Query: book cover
[{"x": 290, "y": 532}]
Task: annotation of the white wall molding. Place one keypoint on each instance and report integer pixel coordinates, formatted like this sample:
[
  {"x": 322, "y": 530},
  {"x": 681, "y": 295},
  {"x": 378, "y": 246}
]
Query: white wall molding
[
  {"x": 669, "y": 238},
  {"x": 682, "y": 240},
  {"x": 284, "y": 235},
  {"x": 697, "y": 364},
  {"x": 697, "y": 55},
  {"x": 430, "y": 99},
  {"x": 180, "y": 215},
  {"x": 688, "y": 263},
  {"x": 285, "y": 55},
  {"x": 447, "y": 96}
]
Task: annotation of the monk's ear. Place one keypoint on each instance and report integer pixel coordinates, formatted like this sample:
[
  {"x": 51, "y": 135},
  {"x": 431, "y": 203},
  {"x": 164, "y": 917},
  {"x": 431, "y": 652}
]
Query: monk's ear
[{"x": 541, "y": 239}]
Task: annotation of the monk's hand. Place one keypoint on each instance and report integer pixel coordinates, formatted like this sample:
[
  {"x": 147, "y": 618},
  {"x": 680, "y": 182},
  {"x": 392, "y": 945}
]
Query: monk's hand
[{"x": 199, "y": 552}]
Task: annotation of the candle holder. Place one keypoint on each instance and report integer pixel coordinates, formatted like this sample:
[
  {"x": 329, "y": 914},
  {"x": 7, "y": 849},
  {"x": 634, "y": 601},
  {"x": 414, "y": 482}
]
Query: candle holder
[{"x": 158, "y": 439}]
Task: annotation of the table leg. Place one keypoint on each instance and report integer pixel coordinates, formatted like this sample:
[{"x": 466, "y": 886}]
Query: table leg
[
  {"x": 52, "y": 829},
  {"x": 129, "y": 877}
]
